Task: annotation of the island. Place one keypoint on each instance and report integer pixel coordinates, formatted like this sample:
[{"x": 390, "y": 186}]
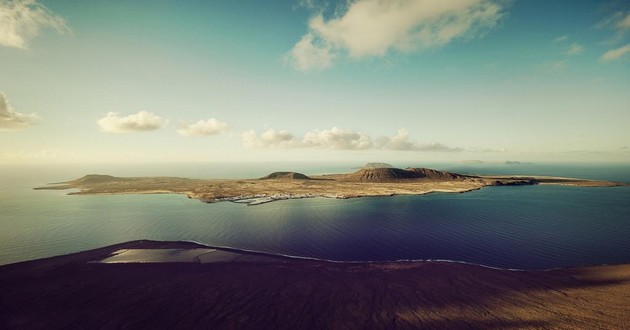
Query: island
[
  {"x": 370, "y": 180},
  {"x": 184, "y": 285}
]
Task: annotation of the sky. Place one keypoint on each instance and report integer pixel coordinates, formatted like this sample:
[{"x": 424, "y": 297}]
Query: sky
[{"x": 366, "y": 80}]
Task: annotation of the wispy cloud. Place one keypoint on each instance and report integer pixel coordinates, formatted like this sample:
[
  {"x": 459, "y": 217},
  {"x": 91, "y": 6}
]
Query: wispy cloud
[
  {"x": 571, "y": 50},
  {"x": 619, "y": 22},
  {"x": 340, "y": 139},
  {"x": 203, "y": 128},
  {"x": 139, "y": 122},
  {"x": 560, "y": 39},
  {"x": 374, "y": 27},
  {"x": 554, "y": 66},
  {"x": 616, "y": 53},
  {"x": 10, "y": 119},
  {"x": 574, "y": 49},
  {"x": 21, "y": 20}
]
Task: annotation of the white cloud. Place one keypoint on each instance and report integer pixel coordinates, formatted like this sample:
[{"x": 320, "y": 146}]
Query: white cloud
[
  {"x": 401, "y": 141},
  {"x": 574, "y": 49},
  {"x": 10, "y": 119},
  {"x": 21, "y": 20},
  {"x": 337, "y": 138},
  {"x": 306, "y": 55},
  {"x": 141, "y": 121},
  {"x": 374, "y": 27},
  {"x": 203, "y": 128},
  {"x": 616, "y": 53},
  {"x": 269, "y": 139},
  {"x": 340, "y": 139}
]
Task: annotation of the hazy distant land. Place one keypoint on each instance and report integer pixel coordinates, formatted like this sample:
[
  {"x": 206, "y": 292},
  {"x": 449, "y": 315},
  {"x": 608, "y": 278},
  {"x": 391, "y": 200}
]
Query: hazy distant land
[
  {"x": 367, "y": 181},
  {"x": 186, "y": 285}
]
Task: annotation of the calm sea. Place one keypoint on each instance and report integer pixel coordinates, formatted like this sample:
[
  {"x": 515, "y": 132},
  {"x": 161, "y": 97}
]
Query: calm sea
[{"x": 528, "y": 227}]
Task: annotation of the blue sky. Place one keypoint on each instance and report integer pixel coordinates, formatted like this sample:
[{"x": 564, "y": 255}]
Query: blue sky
[{"x": 400, "y": 80}]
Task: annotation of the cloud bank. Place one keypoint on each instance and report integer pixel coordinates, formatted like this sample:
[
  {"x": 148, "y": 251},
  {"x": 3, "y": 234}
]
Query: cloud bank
[
  {"x": 367, "y": 28},
  {"x": 203, "y": 128},
  {"x": 21, "y": 20},
  {"x": 340, "y": 139},
  {"x": 139, "y": 122},
  {"x": 10, "y": 119}
]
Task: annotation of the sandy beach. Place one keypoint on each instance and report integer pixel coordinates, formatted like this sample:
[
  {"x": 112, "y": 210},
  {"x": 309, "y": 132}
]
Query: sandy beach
[{"x": 233, "y": 289}]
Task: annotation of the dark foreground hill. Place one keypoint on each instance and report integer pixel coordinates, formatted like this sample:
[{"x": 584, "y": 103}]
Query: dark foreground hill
[{"x": 69, "y": 292}]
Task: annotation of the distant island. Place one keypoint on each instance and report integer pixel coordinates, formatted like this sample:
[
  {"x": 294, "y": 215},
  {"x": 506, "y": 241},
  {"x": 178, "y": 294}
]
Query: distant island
[
  {"x": 375, "y": 179},
  {"x": 507, "y": 162}
]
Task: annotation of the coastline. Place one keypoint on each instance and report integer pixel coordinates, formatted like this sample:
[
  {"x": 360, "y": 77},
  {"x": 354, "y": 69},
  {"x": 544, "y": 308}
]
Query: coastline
[
  {"x": 291, "y": 185},
  {"x": 284, "y": 292}
]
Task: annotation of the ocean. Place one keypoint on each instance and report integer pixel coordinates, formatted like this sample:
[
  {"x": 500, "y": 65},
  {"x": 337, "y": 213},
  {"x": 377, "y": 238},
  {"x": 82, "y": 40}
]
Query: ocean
[{"x": 519, "y": 227}]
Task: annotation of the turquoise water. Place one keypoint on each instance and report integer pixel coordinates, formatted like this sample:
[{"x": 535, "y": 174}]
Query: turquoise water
[{"x": 528, "y": 227}]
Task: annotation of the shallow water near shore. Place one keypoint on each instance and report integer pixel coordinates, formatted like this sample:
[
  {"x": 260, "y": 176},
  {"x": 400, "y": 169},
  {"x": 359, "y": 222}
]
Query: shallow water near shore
[{"x": 524, "y": 227}]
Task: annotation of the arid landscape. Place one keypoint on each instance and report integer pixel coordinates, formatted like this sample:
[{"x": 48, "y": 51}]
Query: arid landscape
[{"x": 368, "y": 181}]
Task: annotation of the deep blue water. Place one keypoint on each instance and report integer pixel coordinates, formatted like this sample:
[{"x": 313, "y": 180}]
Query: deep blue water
[{"x": 528, "y": 227}]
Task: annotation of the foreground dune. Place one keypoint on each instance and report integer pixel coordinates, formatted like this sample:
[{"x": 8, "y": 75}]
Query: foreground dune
[{"x": 255, "y": 291}]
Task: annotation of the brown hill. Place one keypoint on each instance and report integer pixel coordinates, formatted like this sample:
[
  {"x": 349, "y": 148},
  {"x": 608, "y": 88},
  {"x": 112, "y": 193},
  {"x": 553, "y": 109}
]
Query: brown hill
[
  {"x": 397, "y": 174},
  {"x": 95, "y": 178},
  {"x": 437, "y": 175},
  {"x": 285, "y": 176},
  {"x": 381, "y": 175}
]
